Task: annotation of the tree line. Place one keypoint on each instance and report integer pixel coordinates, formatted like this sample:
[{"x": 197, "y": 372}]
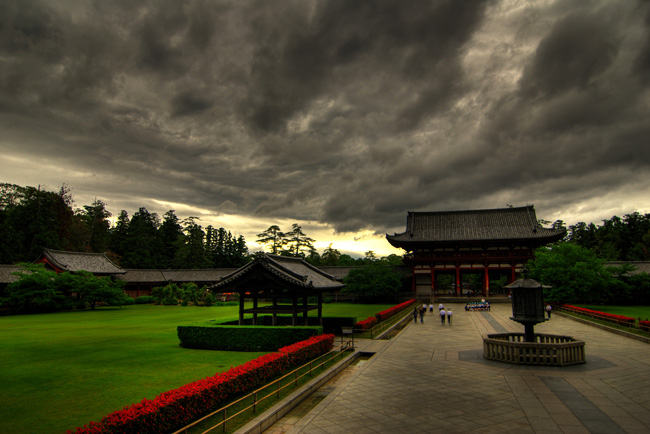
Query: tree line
[
  {"x": 297, "y": 244},
  {"x": 617, "y": 239},
  {"x": 32, "y": 218}
]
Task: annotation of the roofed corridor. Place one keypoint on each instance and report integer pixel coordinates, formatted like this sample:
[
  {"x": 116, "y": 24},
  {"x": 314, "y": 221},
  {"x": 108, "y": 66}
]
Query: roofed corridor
[{"x": 433, "y": 378}]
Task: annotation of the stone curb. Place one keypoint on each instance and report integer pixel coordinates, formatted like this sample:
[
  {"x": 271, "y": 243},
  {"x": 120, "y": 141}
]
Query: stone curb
[
  {"x": 604, "y": 327},
  {"x": 275, "y": 413}
]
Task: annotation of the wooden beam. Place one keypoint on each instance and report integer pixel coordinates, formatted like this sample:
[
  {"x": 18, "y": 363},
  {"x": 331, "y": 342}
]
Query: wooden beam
[{"x": 241, "y": 308}]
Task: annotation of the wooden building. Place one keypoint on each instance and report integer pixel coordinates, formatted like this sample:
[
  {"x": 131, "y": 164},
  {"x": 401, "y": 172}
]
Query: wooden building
[
  {"x": 140, "y": 282},
  {"x": 278, "y": 279},
  {"x": 492, "y": 243}
]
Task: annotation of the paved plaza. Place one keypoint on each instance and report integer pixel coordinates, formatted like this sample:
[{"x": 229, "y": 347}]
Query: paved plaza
[{"x": 432, "y": 378}]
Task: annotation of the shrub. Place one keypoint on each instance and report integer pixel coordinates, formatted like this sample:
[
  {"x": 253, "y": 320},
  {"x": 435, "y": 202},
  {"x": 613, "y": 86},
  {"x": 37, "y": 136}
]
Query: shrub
[
  {"x": 128, "y": 300},
  {"x": 167, "y": 295},
  {"x": 209, "y": 300},
  {"x": 144, "y": 299}
]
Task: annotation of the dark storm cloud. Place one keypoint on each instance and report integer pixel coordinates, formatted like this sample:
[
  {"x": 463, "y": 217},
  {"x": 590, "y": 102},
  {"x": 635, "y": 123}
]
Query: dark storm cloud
[
  {"x": 578, "y": 50},
  {"x": 302, "y": 55},
  {"x": 345, "y": 113}
]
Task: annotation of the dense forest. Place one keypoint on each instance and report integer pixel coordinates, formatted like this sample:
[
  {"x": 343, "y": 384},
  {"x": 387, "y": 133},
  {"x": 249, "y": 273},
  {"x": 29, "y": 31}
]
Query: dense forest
[{"x": 32, "y": 219}]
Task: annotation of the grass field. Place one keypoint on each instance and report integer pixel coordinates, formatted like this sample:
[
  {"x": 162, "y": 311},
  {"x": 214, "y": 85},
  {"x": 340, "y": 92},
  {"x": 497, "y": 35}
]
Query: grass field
[{"x": 62, "y": 370}]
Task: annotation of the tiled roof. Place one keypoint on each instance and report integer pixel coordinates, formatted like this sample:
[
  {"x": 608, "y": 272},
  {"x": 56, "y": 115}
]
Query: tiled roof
[
  {"x": 295, "y": 271},
  {"x": 96, "y": 263},
  {"x": 338, "y": 273},
  {"x": 639, "y": 266},
  {"x": 6, "y": 273},
  {"x": 475, "y": 225},
  {"x": 160, "y": 276}
]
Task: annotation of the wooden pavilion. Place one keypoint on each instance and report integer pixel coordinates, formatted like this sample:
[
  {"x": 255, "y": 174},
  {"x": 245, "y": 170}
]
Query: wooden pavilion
[
  {"x": 498, "y": 241},
  {"x": 278, "y": 278}
]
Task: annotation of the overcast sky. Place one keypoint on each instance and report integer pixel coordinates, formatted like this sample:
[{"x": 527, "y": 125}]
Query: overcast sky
[{"x": 341, "y": 116}]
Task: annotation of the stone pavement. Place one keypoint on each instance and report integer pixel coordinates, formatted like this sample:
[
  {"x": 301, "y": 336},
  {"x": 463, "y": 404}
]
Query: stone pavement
[{"x": 432, "y": 378}]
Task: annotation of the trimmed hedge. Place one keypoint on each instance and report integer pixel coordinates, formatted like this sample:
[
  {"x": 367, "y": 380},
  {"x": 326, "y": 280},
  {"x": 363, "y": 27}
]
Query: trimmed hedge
[
  {"x": 243, "y": 338},
  {"x": 177, "y": 408},
  {"x": 145, "y": 299},
  {"x": 331, "y": 324}
]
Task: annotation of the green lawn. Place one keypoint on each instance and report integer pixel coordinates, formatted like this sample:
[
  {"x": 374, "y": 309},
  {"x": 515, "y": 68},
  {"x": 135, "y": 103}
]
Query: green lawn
[{"x": 62, "y": 370}]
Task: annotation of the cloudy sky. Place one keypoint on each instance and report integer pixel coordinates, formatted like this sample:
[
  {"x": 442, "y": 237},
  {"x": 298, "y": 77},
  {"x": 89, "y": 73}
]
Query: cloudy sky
[{"x": 338, "y": 115}]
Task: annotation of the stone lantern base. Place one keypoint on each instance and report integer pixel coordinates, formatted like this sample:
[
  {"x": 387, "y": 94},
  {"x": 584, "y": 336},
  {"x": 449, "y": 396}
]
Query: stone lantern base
[{"x": 548, "y": 350}]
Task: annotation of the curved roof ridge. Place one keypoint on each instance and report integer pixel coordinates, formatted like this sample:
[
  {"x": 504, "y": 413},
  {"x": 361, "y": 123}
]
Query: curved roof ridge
[{"x": 498, "y": 224}]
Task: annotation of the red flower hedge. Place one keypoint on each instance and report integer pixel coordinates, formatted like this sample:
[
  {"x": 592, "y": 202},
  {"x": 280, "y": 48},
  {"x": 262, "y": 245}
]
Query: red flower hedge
[
  {"x": 602, "y": 315},
  {"x": 644, "y": 325},
  {"x": 385, "y": 314},
  {"x": 176, "y": 408},
  {"x": 367, "y": 323}
]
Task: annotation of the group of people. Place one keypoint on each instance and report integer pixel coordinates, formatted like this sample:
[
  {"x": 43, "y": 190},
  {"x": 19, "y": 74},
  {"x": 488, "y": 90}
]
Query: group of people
[
  {"x": 419, "y": 312},
  {"x": 478, "y": 305},
  {"x": 444, "y": 314}
]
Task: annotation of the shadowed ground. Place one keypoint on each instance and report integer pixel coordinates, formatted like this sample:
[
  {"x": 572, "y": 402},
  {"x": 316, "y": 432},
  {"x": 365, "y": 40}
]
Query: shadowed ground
[{"x": 433, "y": 378}]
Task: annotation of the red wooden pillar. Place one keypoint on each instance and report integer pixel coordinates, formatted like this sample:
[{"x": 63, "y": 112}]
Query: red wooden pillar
[
  {"x": 413, "y": 280},
  {"x": 486, "y": 289},
  {"x": 433, "y": 281},
  {"x": 459, "y": 289}
]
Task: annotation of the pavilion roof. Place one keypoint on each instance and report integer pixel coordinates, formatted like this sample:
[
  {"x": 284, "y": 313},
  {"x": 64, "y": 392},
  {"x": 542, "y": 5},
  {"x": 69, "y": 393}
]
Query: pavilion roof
[
  {"x": 96, "y": 263},
  {"x": 293, "y": 272},
  {"x": 501, "y": 224}
]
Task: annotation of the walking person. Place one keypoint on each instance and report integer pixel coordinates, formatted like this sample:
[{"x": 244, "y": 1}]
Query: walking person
[
  {"x": 415, "y": 314},
  {"x": 422, "y": 312},
  {"x": 548, "y": 311},
  {"x": 431, "y": 308},
  {"x": 449, "y": 314},
  {"x": 440, "y": 307},
  {"x": 443, "y": 314}
]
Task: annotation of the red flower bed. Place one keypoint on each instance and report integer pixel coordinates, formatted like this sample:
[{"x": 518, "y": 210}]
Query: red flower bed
[
  {"x": 644, "y": 325},
  {"x": 601, "y": 315},
  {"x": 385, "y": 314},
  {"x": 176, "y": 408},
  {"x": 304, "y": 351},
  {"x": 367, "y": 323}
]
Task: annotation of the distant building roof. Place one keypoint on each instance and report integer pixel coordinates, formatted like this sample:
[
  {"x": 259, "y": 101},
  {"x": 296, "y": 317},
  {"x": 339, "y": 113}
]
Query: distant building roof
[
  {"x": 208, "y": 275},
  {"x": 449, "y": 227},
  {"x": 294, "y": 272},
  {"x": 6, "y": 273},
  {"x": 639, "y": 266},
  {"x": 96, "y": 263}
]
